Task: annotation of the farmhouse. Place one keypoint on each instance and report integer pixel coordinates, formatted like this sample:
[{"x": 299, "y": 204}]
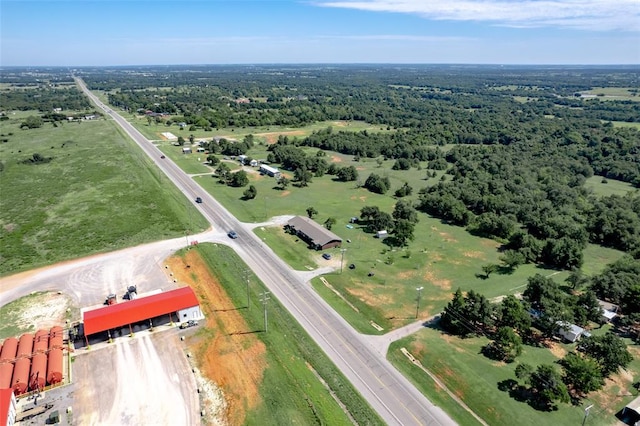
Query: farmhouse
[
  {"x": 571, "y": 332},
  {"x": 270, "y": 171},
  {"x": 313, "y": 233}
]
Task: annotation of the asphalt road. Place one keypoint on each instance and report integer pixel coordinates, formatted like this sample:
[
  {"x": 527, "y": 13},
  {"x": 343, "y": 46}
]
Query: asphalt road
[{"x": 395, "y": 399}]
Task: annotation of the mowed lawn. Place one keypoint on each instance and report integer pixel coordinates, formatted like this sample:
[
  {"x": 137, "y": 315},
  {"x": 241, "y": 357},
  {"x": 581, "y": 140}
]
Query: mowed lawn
[
  {"x": 475, "y": 379},
  {"x": 98, "y": 193}
]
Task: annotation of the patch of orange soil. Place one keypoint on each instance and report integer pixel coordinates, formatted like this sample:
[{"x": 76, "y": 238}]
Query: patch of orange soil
[
  {"x": 406, "y": 274},
  {"x": 336, "y": 159},
  {"x": 272, "y": 137},
  {"x": 233, "y": 360},
  {"x": 285, "y": 193},
  {"x": 360, "y": 168},
  {"x": 438, "y": 282},
  {"x": 557, "y": 350}
]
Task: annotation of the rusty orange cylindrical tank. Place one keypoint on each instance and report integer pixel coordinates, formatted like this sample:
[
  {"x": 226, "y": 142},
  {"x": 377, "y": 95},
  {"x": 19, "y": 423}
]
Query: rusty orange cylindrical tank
[
  {"x": 20, "y": 380},
  {"x": 6, "y": 373},
  {"x": 55, "y": 337},
  {"x": 38, "y": 375},
  {"x": 54, "y": 366},
  {"x": 41, "y": 341},
  {"x": 9, "y": 349},
  {"x": 25, "y": 346}
]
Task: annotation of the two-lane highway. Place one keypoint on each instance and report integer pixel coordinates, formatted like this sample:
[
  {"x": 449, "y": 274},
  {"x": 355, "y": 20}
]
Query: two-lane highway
[{"x": 395, "y": 399}]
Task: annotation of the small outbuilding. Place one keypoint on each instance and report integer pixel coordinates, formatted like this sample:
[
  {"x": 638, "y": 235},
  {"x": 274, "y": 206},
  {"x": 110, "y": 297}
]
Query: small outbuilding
[
  {"x": 270, "y": 171},
  {"x": 186, "y": 150},
  {"x": 382, "y": 234},
  {"x": 317, "y": 236},
  {"x": 609, "y": 311}
]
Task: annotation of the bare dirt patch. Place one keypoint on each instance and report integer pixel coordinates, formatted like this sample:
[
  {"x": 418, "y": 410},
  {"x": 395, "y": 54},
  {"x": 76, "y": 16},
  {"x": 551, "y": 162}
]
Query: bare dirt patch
[
  {"x": 285, "y": 193},
  {"x": 438, "y": 282},
  {"x": 446, "y": 237},
  {"x": 474, "y": 254},
  {"x": 231, "y": 359},
  {"x": 557, "y": 350},
  {"x": 366, "y": 296},
  {"x": 44, "y": 311},
  {"x": 272, "y": 137}
]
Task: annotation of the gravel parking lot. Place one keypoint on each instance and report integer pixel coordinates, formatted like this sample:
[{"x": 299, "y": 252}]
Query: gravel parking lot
[{"x": 142, "y": 380}]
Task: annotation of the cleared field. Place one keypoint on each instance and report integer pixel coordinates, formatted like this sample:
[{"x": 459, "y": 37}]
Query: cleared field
[
  {"x": 263, "y": 134},
  {"x": 604, "y": 187},
  {"x": 614, "y": 93},
  {"x": 97, "y": 193},
  {"x": 475, "y": 378}
]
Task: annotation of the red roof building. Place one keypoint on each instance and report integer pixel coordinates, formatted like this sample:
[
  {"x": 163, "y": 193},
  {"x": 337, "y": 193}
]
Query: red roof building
[
  {"x": 8, "y": 410},
  {"x": 140, "y": 309}
]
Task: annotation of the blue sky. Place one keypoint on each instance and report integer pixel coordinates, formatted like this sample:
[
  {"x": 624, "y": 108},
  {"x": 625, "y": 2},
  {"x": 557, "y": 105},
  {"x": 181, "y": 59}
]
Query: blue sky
[{"x": 146, "y": 32}]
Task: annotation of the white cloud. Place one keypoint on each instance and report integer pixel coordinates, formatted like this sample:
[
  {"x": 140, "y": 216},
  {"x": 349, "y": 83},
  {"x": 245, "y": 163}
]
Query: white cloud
[{"x": 599, "y": 15}]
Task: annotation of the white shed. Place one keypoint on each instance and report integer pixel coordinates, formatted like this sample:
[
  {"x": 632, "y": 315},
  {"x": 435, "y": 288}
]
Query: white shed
[{"x": 382, "y": 234}]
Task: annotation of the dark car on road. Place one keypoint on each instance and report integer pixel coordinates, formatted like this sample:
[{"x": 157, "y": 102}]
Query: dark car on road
[
  {"x": 199, "y": 200},
  {"x": 232, "y": 234},
  {"x": 162, "y": 156},
  {"x": 326, "y": 256}
]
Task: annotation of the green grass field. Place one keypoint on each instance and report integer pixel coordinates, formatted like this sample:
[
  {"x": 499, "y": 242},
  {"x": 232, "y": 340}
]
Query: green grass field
[
  {"x": 290, "y": 392},
  {"x": 98, "y": 193},
  {"x": 626, "y": 124},
  {"x": 475, "y": 379},
  {"x": 615, "y": 93},
  {"x": 604, "y": 187},
  {"x": 263, "y": 134}
]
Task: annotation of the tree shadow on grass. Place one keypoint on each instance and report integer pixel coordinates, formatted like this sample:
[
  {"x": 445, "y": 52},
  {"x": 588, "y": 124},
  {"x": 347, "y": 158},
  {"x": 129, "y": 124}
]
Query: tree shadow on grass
[{"x": 523, "y": 394}]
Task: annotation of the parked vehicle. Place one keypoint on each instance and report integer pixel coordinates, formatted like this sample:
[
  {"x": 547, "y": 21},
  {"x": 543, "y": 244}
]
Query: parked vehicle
[
  {"x": 187, "y": 324},
  {"x": 326, "y": 256}
]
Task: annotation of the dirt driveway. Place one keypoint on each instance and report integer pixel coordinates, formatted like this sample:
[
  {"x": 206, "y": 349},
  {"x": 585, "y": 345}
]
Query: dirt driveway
[{"x": 143, "y": 380}]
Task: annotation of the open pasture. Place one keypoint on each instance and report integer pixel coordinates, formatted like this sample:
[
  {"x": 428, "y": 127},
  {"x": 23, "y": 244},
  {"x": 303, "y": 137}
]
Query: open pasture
[{"x": 97, "y": 193}]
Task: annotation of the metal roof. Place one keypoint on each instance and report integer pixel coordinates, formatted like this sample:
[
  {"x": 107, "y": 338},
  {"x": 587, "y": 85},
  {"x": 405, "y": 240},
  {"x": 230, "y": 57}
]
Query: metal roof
[
  {"x": 635, "y": 405},
  {"x": 312, "y": 229},
  {"x": 140, "y": 309},
  {"x": 5, "y": 403}
]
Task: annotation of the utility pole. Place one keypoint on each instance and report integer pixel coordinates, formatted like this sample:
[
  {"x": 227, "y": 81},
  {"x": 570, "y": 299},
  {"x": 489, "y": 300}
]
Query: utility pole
[
  {"x": 246, "y": 275},
  {"x": 419, "y": 290},
  {"x": 264, "y": 297},
  {"x": 586, "y": 414},
  {"x": 342, "y": 258}
]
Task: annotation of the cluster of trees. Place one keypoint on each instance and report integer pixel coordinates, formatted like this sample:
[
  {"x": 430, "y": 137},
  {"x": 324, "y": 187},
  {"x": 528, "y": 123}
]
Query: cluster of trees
[
  {"x": 509, "y": 323},
  {"x": 582, "y": 371},
  {"x": 45, "y": 99},
  {"x": 400, "y": 223},
  {"x": 534, "y": 200}
]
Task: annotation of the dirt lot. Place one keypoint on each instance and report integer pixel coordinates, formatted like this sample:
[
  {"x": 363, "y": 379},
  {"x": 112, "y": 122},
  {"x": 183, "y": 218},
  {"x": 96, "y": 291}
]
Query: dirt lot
[
  {"x": 232, "y": 360},
  {"x": 133, "y": 381}
]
